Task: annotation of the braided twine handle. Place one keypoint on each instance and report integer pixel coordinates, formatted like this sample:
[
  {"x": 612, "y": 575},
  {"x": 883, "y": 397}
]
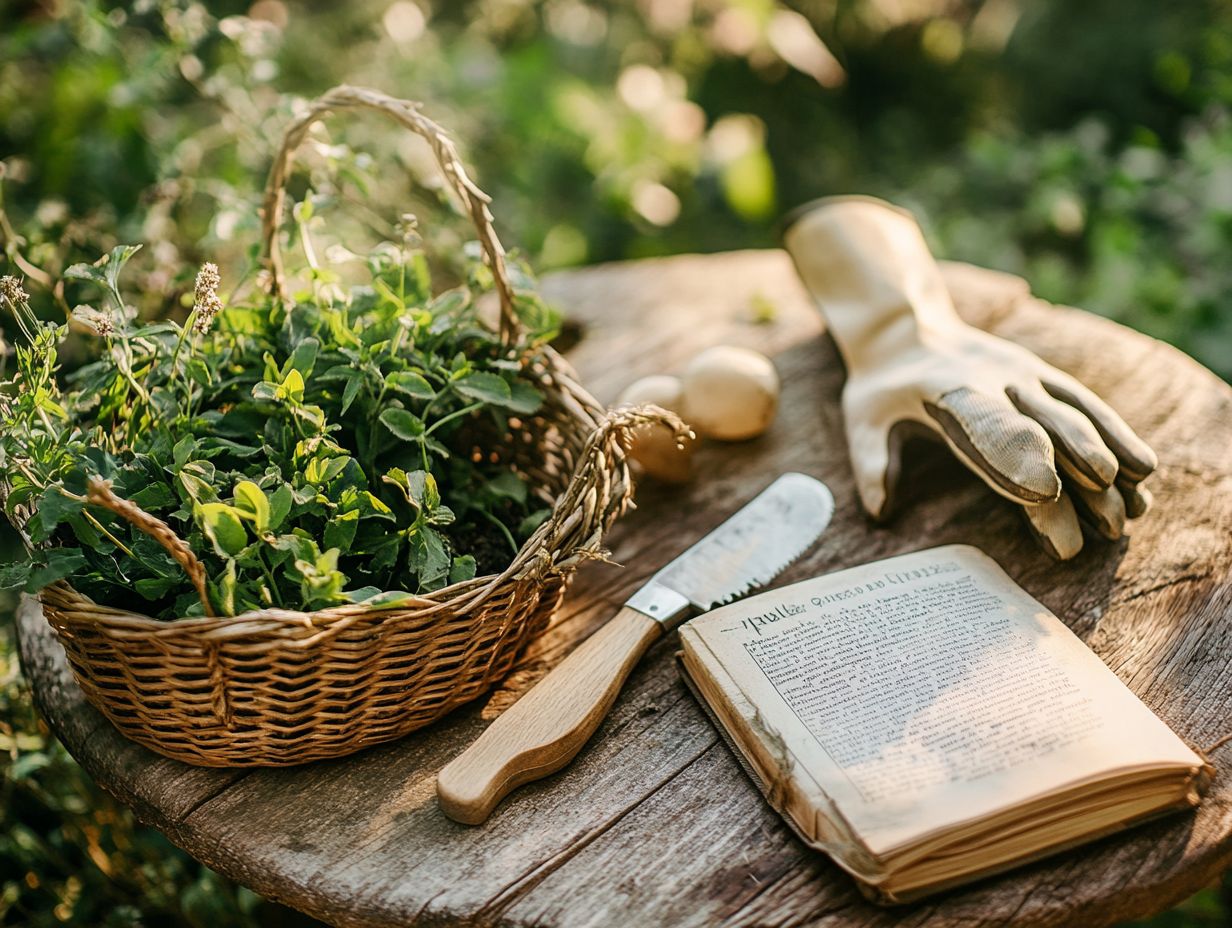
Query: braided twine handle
[
  {"x": 98, "y": 493},
  {"x": 406, "y": 113},
  {"x": 593, "y": 498}
]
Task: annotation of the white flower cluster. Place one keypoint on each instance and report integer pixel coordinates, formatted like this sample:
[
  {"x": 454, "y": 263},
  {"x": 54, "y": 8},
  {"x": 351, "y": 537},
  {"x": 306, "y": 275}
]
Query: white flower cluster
[
  {"x": 205, "y": 297},
  {"x": 100, "y": 322},
  {"x": 12, "y": 292}
]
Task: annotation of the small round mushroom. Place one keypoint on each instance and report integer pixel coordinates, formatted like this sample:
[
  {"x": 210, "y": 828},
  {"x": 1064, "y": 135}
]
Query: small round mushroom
[
  {"x": 730, "y": 393},
  {"x": 654, "y": 446}
]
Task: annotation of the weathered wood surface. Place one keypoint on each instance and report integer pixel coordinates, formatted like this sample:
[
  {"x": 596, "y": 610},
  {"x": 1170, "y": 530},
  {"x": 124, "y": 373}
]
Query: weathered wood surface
[{"x": 654, "y": 823}]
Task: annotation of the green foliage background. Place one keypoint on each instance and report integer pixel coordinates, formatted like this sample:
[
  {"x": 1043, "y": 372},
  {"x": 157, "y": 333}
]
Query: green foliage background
[{"x": 1086, "y": 146}]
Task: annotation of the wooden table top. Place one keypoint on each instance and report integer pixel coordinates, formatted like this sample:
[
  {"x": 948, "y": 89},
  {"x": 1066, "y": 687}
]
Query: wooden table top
[{"x": 654, "y": 823}]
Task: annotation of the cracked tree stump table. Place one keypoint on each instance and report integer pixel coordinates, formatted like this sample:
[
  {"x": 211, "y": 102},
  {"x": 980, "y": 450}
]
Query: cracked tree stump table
[{"x": 654, "y": 823}]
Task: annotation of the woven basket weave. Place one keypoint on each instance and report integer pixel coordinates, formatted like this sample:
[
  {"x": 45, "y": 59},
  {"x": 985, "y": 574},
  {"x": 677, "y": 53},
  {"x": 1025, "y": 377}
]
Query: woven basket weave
[{"x": 277, "y": 687}]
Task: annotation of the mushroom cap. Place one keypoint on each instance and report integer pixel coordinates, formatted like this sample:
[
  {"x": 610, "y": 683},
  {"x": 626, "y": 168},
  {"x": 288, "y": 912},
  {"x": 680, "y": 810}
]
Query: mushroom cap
[
  {"x": 654, "y": 446},
  {"x": 730, "y": 393}
]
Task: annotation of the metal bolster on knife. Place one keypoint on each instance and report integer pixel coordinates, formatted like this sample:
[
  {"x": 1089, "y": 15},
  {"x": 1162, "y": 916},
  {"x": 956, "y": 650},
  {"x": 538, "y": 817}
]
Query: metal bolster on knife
[{"x": 661, "y": 603}]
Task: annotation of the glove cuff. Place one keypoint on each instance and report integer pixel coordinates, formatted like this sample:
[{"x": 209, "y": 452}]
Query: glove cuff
[{"x": 869, "y": 270}]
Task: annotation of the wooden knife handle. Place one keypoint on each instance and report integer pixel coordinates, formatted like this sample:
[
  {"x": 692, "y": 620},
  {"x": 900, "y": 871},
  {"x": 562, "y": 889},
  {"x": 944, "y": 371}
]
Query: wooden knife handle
[{"x": 543, "y": 730}]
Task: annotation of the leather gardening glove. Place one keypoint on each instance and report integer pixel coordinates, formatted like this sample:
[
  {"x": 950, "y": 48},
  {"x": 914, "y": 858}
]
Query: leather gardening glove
[{"x": 1033, "y": 433}]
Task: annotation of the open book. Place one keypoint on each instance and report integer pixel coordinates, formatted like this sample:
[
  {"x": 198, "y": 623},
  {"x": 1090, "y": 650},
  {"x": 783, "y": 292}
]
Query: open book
[{"x": 925, "y": 722}]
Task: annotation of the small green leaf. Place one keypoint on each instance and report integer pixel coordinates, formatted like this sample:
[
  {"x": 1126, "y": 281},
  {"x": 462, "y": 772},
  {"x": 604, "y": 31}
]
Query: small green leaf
[
  {"x": 153, "y": 330},
  {"x": 383, "y": 554},
  {"x": 15, "y": 575},
  {"x": 422, "y": 491},
  {"x": 387, "y": 292},
  {"x": 410, "y": 383},
  {"x": 115, "y": 261},
  {"x": 340, "y": 530},
  {"x": 153, "y": 497},
  {"x": 154, "y": 558},
  {"x": 85, "y": 532},
  {"x": 293, "y": 384},
  {"x": 463, "y": 569},
  {"x": 223, "y": 527},
  {"x": 527, "y": 526},
  {"x": 271, "y": 371},
  {"x": 227, "y": 587},
  {"x": 43, "y": 400},
  {"x": 265, "y": 391},
  {"x": 153, "y": 588},
  {"x": 250, "y": 501},
  {"x": 387, "y": 600},
  {"x": 429, "y": 559},
  {"x": 302, "y": 549},
  {"x": 436, "y": 448},
  {"x": 86, "y": 272},
  {"x": 55, "y": 507},
  {"x": 304, "y": 494},
  {"x": 198, "y": 490},
  {"x": 372, "y": 506},
  {"x": 351, "y": 390},
  {"x": 396, "y": 476},
  {"x": 198, "y": 372},
  {"x": 337, "y": 372},
  {"x": 524, "y": 398},
  {"x": 211, "y": 447},
  {"x": 183, "y": 451},
  {"x": 280, "y": 506},
  {"x": 418, "y": 280},
  {"x": 106, "y": 270},
  {"x": 403, "y": 424},
  {"x": 431, "y": 494},
  {"x": 57, "y": 563},
  {"x": 508, "y": 485},
  {"x": 322, "y": 471},
  {"x": 303, "y": 358},
  {"x": 485, "y": 387},
  {"x": 363, "y": 594}
]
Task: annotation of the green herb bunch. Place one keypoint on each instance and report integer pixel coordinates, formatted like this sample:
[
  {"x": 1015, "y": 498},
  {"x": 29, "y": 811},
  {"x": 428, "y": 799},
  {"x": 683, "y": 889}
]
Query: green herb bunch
[{"x": 348, "y": 446}]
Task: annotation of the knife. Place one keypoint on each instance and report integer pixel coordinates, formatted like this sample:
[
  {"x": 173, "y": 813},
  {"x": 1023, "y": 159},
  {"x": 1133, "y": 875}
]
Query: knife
[{"x": 543, "y": 730}]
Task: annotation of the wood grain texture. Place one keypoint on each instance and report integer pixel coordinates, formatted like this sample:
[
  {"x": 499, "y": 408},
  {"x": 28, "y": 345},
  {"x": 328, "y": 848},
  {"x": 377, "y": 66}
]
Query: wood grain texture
[
  {"x": 654, "y": 823},
  {"x": 545, "y": 729}
]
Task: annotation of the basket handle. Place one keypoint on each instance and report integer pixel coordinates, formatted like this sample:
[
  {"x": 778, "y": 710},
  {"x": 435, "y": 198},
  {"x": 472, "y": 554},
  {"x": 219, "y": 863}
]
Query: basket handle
[
  {"x": 99, "y": 493},
  {"x": 407, "y": 114}
]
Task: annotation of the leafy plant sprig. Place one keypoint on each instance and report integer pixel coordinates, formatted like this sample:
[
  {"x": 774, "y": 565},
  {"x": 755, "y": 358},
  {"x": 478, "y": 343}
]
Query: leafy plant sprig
[{"x": 351, "y": 447}]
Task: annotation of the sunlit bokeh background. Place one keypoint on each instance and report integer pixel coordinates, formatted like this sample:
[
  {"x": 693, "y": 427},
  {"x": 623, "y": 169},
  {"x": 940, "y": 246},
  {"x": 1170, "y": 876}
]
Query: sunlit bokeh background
[{"x": 1085, "y": 146}]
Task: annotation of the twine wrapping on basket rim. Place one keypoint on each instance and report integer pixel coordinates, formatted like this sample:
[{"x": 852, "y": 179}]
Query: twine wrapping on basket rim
[{"x": 189, "y": 687}]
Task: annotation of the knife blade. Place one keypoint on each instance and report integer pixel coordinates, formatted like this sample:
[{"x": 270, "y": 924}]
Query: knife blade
[{"x": 546, "y": 728}]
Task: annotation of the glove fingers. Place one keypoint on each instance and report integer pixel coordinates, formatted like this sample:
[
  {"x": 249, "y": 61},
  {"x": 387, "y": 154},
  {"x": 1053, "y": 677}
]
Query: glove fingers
[
  {"x": 1013, "y": 454},
  {"x": 1080, "y": 451},
  {"x": 1055, "y": 526},
  {"x": 1136, "y": 458},
  {"x": 1137, "y": 499},
  {"x": 1103, "y": 509}
]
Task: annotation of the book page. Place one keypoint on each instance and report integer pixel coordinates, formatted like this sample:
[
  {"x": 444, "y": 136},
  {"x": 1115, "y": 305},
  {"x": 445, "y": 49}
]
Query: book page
[{"x": 929, "y": 689}]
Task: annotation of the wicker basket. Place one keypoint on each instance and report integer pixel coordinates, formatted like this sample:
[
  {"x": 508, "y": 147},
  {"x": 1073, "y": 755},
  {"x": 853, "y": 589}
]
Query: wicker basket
[{"x": 278, "y": 687}]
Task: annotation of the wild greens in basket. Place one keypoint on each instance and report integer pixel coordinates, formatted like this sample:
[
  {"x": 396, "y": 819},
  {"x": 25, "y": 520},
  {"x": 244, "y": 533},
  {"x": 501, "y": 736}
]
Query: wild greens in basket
[{"x": 344, "y": 448}]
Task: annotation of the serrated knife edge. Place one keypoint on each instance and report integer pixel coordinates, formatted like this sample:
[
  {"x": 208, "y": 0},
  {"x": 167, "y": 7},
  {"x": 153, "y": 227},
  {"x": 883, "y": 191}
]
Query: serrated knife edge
[{"x": 746, "y": 551}]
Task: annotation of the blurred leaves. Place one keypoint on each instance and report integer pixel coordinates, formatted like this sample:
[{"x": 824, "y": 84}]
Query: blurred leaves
[
  {"x": 70, "y": 854},
  {"x": 1138, "y": 234}
]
